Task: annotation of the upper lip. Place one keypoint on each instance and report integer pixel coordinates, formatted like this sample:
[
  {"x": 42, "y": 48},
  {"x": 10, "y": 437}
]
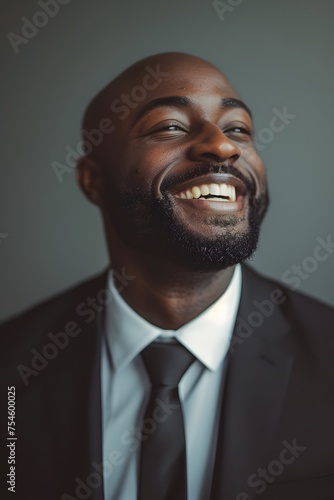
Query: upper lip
[{"x": 211, "y": 179}]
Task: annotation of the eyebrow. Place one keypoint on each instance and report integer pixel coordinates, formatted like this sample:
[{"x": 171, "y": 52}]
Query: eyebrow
[{"x": 185, "y": 102}]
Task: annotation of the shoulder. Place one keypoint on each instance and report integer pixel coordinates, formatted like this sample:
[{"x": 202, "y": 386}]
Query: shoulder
[
  {"x": 32, "y": 326},
  {"x": 303, "y": 312}
]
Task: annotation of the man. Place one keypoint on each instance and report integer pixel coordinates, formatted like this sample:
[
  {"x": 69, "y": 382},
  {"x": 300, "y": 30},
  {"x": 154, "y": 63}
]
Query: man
[{"x": 178, "y": 373}]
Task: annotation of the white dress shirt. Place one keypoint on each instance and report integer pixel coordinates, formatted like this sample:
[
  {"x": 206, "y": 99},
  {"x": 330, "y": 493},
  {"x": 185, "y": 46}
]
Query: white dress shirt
[{"x": 126, "y": 388}]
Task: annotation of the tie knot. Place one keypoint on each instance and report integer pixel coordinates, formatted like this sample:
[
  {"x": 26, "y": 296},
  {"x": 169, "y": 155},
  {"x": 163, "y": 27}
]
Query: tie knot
[{"x": 166, "y": 363}]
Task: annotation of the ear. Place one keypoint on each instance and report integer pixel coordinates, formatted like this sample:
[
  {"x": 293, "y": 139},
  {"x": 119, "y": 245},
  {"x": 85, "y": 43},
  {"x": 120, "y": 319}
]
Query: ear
[{"x": 90, "y": 177}]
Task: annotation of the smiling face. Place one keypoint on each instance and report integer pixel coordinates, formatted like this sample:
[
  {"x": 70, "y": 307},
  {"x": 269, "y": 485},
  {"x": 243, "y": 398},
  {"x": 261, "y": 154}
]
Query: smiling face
[{"x": 183, "y": 179}]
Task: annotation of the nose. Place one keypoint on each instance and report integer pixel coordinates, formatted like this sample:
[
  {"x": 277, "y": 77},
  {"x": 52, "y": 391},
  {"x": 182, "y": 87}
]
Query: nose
[{"x": 212, "y": 144}]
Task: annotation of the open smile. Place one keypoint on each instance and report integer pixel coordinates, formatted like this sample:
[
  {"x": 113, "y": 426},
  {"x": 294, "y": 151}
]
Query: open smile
[{"x": 214, "y": 192}]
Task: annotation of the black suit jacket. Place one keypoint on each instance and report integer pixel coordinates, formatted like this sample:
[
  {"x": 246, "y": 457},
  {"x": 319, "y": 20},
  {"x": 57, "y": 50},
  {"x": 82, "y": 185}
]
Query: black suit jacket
[{"x": 276, "y": 436}]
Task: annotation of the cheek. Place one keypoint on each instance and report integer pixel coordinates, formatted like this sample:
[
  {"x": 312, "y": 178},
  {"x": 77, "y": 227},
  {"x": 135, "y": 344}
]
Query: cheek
[
  {"x": 146, "y": 164},
  {"x": 255, "y": 166}
]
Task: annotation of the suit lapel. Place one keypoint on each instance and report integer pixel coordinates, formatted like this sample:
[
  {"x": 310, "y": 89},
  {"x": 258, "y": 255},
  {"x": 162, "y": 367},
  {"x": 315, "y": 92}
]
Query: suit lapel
[{"x": 256, "y": 381}]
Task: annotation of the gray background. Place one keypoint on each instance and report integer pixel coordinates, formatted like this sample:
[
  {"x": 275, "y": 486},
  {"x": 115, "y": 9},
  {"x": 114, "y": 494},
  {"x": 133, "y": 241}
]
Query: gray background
[{"x": 277, "y": 53}]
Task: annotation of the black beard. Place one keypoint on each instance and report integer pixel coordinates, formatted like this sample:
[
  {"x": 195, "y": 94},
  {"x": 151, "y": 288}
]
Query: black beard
[{"x": 150, "y": 225}]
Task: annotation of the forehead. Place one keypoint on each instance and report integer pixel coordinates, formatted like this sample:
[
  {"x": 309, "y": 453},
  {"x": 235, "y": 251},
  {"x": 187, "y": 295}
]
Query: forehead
[
  {"x": 181, "y": 79},
  {"x": 201, "y": 84}
]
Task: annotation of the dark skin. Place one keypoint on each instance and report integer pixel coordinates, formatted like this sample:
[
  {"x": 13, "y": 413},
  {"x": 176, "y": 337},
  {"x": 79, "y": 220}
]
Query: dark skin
[{"x": 166, "y": 141}]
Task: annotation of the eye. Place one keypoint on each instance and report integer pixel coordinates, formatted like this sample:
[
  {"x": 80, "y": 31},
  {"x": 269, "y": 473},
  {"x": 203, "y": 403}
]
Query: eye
[
  {"x": 167, "y": 130},
  {"x": 170, "y": 127},
  {"x": 239, "y": 130}
]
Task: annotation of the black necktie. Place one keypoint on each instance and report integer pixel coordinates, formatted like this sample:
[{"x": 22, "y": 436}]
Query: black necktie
[{"x": 163, "y": 455}]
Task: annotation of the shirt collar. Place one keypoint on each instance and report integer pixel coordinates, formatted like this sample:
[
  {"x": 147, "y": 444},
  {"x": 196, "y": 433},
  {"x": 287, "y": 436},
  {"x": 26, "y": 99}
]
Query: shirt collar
[{"x": 207, "y": 336}]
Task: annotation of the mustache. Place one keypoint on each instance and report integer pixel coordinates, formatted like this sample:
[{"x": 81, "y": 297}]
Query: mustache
[{"x": 205, "y": 169}]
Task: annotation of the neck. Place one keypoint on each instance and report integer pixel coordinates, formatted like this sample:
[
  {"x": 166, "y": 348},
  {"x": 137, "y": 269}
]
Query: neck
[{"x": 162, "y": 292}]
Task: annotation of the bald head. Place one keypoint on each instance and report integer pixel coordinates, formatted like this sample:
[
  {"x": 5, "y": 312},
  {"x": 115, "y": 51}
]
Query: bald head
[{"x": 119, "y": 100}]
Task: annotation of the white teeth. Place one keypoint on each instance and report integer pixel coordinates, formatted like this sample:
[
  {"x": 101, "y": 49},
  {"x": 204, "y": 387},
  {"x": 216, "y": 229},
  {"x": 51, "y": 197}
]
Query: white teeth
[
  {"x": 205, "y": 190},
  {"x": 196, "y": 192},
  {"x": 224, "y": 190},
  {"x": 214, "y": 189},
  {"x": 227, "y": 191},
  {"x": 233, "y": 193}
]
